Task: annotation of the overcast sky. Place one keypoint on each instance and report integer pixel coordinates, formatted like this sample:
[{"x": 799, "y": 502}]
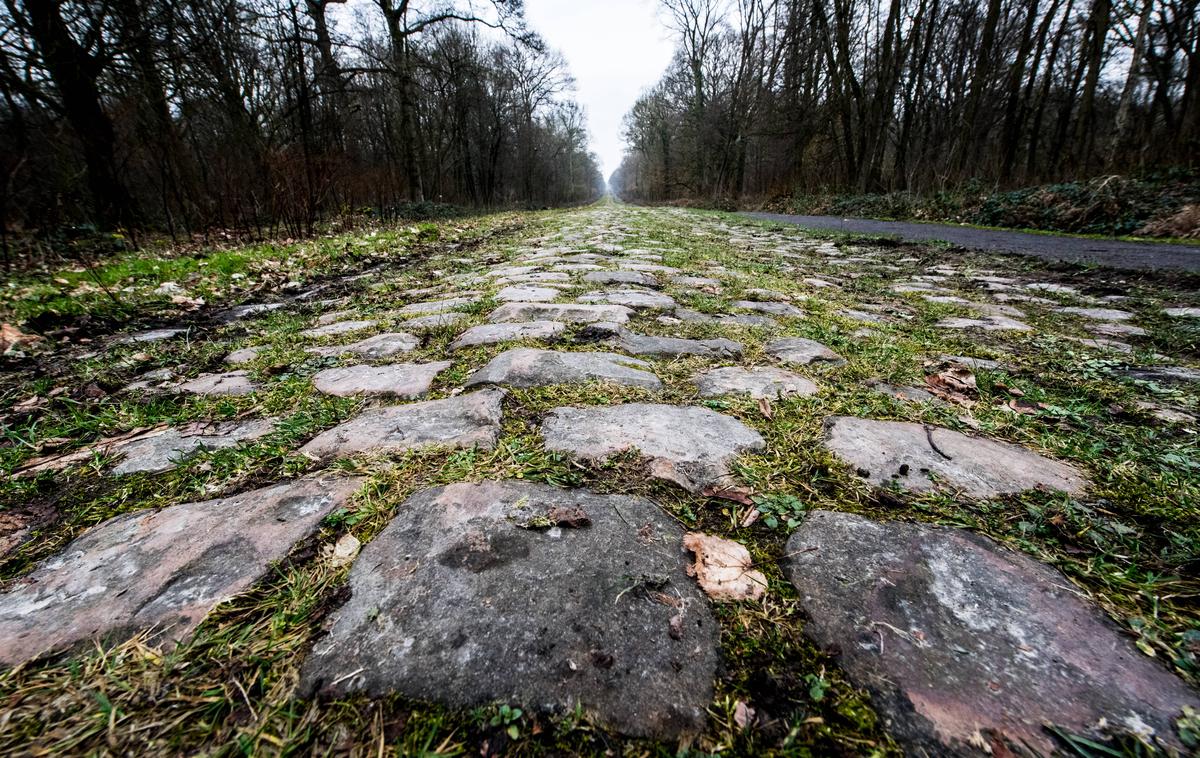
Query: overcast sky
[{"x": 615, "y": 49}]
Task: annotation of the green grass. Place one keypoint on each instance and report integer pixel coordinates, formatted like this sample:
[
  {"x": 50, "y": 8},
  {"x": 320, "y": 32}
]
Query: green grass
[{"x": 1128, "y": 544}]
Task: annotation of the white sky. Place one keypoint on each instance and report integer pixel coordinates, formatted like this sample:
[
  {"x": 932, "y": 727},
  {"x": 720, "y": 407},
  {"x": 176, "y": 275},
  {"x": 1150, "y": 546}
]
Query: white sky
[{"x": 615, "y": 49}]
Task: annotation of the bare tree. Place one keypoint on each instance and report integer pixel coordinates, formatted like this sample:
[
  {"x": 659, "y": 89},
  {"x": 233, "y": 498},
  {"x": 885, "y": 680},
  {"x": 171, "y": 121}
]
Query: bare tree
[{"x": 769, "y": 97}]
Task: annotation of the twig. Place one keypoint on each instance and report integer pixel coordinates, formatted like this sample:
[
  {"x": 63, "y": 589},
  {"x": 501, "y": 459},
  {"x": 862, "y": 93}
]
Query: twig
[{"x": 932, "y": 444}]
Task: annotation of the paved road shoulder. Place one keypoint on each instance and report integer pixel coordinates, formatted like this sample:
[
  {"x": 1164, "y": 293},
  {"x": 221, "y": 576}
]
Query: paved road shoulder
[{"x": 1113, "y": 253}]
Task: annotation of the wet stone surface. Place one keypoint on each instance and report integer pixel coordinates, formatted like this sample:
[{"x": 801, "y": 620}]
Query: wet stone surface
[
  {"x": 163, "y": 450},
  {"x": 379, "y": 346},
  {"x": 1099, "y": 314},
  {"x": 566, "y": 576},
  {"x": 160, "y": 569},
  {"x": 531, "y": 367},
  {"x": 407, "y": 380},
  {"x": 241, "y": 312},
  {"x": 912, "y": 456},
  {"x": 775, "y": 309},
  {"x": 434, "y": 306},
  {"x": 987, "y": 324},
  {"x": 801, "y": 352},
  {"x": 967, "y": 646},
  {"x": 490, "y": 334},
  {"x": 153, "y": 335},
  {"x": 435, "y": 321},
  {"x": 229, "y": 383},
  {"x": 637, "y": 299},
  {"x": 641, "y": 344},
  {"x": 621, "y": 277},
  {"x": 463, "y": 421},
  {"x": 482, "y": 593},
  {"x": 528, "y": 294},
  {"x": 690, "y": 446},
  {"x": 757, "y": 382},
  {"x": 338, "y": 327},
  {"x": 576, "y": 313},
  {"x": 244, "y": 355}
]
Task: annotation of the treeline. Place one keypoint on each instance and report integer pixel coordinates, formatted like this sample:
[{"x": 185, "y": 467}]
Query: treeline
[
  {"x": 777, "y": 97},
  {"x": 188, "y": 115}
]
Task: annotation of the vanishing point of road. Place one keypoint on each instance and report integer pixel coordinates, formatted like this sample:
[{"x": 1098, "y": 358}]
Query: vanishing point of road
[{"x": 1120, "y": 254}]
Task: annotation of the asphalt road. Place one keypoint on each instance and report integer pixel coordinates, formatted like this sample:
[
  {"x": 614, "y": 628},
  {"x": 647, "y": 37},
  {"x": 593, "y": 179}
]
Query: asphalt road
[{"x": 1150, "y": 256}]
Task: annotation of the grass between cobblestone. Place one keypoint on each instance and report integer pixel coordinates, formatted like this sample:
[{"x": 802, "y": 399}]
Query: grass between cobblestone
[{"x": 1132, "y": 544}]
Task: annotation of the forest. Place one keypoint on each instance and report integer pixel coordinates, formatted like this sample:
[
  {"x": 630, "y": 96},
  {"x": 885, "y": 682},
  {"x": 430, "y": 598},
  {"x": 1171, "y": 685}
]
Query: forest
[
  {"x": 268, "y": 116},
  {"x": 771, "y": 97}
]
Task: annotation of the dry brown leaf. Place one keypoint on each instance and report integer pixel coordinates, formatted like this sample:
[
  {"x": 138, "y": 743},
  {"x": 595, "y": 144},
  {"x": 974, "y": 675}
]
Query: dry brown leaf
[
  {"x": 736, "y": 494},
  {"x": 11, "y": 338},
  {"x": 956, "y": 384},
  {"x": 1014, "y": 391},
  {"x": 1024, "y": 407},
  {"x": 188, "y": 303},
  {"x": 743, "y": 715},
  {"x": 31, "y": 404},
  {"x": 722, "y": 568},
  {"x": 764, "y": 407},
  {"x": 752, "y": 515}
]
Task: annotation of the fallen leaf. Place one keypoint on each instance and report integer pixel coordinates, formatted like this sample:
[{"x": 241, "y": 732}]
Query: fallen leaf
[
  {"x": 971, "y": 421},
  {"x": 764, "y": 407},
  {"x": 722, "y": 568},
  {"x": 343, "y": 552},
  {"x": 1024, "y": 406},
  {"x": 1014, "y": 391},
  {"x": 11, "y": 338},
  {"x": 743, "y": 715},
  {"x": 188, "y": 303},
  {"x": 93, "y": 391},
  {"x": 956, "y": 384},
  {"x": 736, "y": 494},
  {"x": 31, "y": 404}
]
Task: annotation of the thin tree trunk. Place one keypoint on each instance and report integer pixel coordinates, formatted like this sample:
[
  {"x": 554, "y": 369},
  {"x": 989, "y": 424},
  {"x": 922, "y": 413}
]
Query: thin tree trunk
[{"x": 75, "y": 74}]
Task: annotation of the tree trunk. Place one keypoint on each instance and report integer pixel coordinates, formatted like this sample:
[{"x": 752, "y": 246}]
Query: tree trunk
[
  {"x": 1012, "y": 100},
  {"x": 75, "y": 73},
  {"x": 969, "y": 137},
  {"x": 1098, "y": 23}
]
